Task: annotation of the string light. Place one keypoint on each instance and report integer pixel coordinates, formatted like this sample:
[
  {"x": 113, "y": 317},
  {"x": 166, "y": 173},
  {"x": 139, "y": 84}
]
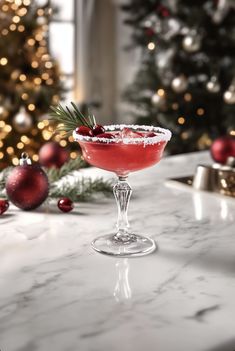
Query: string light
[
  {"x": 45, "y": 76},
  {"x": 46, "y": 122},
  {"x": 41, "y": 125},
  {"x": 161, "y": 92},
  {"x": 71, "y": 138},
  {"x": 31, "y": 42},
  {"x": 48, "y": 64},
  {"x": 49, "y": 81},
  {"x": 25, "y": 139},
  {"x": 1, "y": 143},
  {"x": 15, "y": 161},
  {"x": 63, "y": 143},
  {"x": 73, "y": 155},
  {"x": 181, "y": 120},
  {"x": 26, "y": 2},
  {"x": 38, "y": 36},
  {"x": 200, "y": 111},
  {"x": 46, "y": 134},
  {"x": 5, "y": 8},
  {"x": 31, "y": 107},
  {"x": 3, "y": 61},
  {"x": 35, "y": 157},
  {"x": 16, "y": 19},
  {"x": 22, "y": 12},
  {"x": 18, "y": 2},
  {"x": 20, "y": 145},
  {"x": 12, "y": 27},
  {"x": 232, "y": 132},
  {"x": 151, "y": 46},
  {"x": 187, "y": 97},
  {"x": 21, "y": 28},
  {"x": 1, "y": 155},
  {"x": 175, "y": 106},
  {"x": 10, "y": 150},
  {"x": 24, "y": 96},
  {"x": 14, "y": 6},
  {"x": 2, "y": 124},
  {"x": 5, "y": 31},
  {"x": 35, "y": 64},
  {"x": 22, "y": 77},
  {"x": 40, "y": 12},
  {"x": 7, "y": 128},
  {"x": 37, "y": 81}
]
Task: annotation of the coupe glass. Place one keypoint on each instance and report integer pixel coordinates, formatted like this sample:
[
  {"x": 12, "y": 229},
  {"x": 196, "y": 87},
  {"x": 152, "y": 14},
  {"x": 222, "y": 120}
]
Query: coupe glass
[{"x": 122, "y": 155}]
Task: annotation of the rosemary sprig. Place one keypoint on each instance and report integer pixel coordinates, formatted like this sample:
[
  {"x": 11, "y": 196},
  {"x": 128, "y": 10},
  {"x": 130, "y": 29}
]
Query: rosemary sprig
[{"x": 68, "y": 119}]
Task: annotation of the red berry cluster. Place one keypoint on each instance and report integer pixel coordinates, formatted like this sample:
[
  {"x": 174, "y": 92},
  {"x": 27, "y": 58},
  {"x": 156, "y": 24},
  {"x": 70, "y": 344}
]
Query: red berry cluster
[{"x": 97, "y": 130}]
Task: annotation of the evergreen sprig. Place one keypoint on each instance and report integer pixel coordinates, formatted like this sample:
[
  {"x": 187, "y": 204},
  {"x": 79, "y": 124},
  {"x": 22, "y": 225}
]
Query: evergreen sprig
[
  {"x": 55, "y": 174},
  {"x": 68, "y": 119}
]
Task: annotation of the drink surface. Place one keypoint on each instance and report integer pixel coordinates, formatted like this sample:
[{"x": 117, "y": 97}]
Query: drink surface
[{"x": 123, "y": 156}]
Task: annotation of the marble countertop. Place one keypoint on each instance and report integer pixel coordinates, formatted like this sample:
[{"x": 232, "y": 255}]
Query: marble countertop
[{"x": 56, "y": 293}]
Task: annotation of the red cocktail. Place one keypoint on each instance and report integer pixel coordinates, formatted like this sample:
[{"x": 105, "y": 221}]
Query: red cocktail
[{"x": 123, "y": 149}]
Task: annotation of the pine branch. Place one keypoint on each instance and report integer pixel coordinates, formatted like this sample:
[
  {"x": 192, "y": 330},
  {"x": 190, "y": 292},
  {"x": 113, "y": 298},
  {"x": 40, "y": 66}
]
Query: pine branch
[
  {"x": 55, "y": 174},
  {"x": 68, "y": 119},
  {"x": 82, "y": 189}
]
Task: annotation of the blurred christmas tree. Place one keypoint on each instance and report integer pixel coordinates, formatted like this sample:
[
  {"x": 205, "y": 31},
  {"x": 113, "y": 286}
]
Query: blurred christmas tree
[
  {"x": 29, "y": 78},
  {"x": 186, "y": 80}
]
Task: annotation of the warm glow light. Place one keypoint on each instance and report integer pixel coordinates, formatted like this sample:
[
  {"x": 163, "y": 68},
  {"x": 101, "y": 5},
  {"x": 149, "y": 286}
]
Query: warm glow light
[
  {"x": 21, "y": 12},
  {"x": 1, "y": 155},
  {"x": 200, "y": 111},
  {"x": 24, "y": 96},
  {"x": 73, "y": 155},
  {"x": 34, "y": 132},
  {"x": 151, "y": 46},
  {"x": 5, "y": 8},
  {"x": 31, "y": 42},
  {"x": 12, "y": 27},
  {"x": 175, "y": 106},
  {"x": 161, "y": 92},
  {"x": 46, "y": 122},
  {"x": 185, "y": 135},
  {"x": 49, "y": 81},
  {"x": 187, "y": 97},
  {"x": 45, "y": 76},
  {"x": 48, "y": 64},
  {"x": 5, "y": 31},
  {"x": 2, "y": 124},
  {"x": 46, "y": 134},
  {"x": 18, "y": 2},
  {"x": 3, "y": 61},
  {"x": 15, "y": 161},
  {"x": 71, "y": 139},
  {"x": 232, "y": 132},
  {"x": 181, "y": 120},
  {"x": 35, "y": 158},
  {"x": 40, "y": 12},
  {"x": 14, "y": 6},
  {"x": 20, "y": 145},
  {"x": 22, "y": 77},
  {"x": 38, "y": 36},
  {"x": 37, "y": 81},
  {"x": 7, "y": 128},
  {"x": 26, "y": 2},
  {"x": 34, "y": 64},
  {"x": 16, "y": 19},
  {"x": 25, "y": 139},
  {"x": 10, "y": 150},
  {"x": 41, "y": 125},
  {"x": 31, "y": 107},
  {"x": 63, "y": 143},
  {"x": 21, "y": 28},
  {"x": 1, "y": 143}
]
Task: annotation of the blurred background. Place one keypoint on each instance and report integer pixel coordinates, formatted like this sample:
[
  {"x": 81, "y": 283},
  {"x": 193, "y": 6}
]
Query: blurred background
[{"x": 168, "y": 63}]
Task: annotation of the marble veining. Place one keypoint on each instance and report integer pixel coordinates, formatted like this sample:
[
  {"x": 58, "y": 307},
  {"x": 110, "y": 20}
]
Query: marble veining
[{"x": 56, "y": 293}]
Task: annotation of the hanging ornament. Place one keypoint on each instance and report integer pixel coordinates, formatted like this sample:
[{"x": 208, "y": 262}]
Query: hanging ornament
[
  {"x": 158, "y": 100},
  {"x": 192, "y": 42},
  {"x": 229, "y": 95},
  {"x": 4, "y": 204},
  {"x": 27, "y": 185},
  {"x": 179, "y": 84},
  {"x": 223, "y": 148},
  {"x": 65, "y": 204},
  {"x": 52, "y": 154},
  {"x": 213, "y": 85},
  {"x": 22, "y": 121}
]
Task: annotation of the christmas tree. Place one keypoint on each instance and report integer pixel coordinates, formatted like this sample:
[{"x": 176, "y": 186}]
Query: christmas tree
[
  {"x": 29, "y": 79},
  {"x": 186, "y": 80}
]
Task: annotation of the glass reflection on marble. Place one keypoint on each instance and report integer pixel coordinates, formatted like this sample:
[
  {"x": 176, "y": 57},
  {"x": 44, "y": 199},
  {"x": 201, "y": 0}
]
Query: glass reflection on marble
[{"x": 122, "y": 290}]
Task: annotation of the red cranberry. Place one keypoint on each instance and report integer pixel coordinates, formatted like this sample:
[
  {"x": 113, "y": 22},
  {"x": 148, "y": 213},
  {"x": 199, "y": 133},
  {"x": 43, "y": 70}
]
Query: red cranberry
[
  {"x": 106, "y": 135},
  {"x": 65, "y": 204},
  {"x": 151, "y": 135},
  {"x": 4, "y": 204},
  {"x": 98, "y": 129},
  {"x": 84, "y": 130}
]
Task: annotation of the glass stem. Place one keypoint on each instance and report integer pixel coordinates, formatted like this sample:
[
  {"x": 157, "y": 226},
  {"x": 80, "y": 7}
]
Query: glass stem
[{"x": 122, "y": 192}]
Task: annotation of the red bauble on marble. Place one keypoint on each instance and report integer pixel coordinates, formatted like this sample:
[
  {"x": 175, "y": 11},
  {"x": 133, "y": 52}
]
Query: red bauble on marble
[
  {"x": 222, "y": 148},
  {"x": 65, "y": 204},
  {"x": 4, "y": 204},
  {"x": 52, "y": 154},
  {"x": 27, "y": 186}
]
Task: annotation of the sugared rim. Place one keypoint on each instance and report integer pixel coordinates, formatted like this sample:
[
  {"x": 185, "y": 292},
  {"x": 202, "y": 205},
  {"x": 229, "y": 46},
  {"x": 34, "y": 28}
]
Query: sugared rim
[{"x": 163, "y": 135}]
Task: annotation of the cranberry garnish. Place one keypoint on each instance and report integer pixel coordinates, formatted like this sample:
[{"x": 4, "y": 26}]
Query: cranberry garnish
[
  {"x": 151, "y": 135},
  {"x": 106, "y": 135},
  {"x": 65, "y": 204},
  {"x": 84, "y": 130},
  {"x": 98, "y": 129},
  {"x": 4, "y": 204}
]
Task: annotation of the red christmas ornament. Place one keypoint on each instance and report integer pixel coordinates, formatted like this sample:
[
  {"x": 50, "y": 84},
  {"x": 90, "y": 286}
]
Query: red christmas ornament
[
  {"x": 222, "y": 148},
  {"x": 4, "y": 204},
  {"x": 52, "y": 154},
  {"x": 65, "y": 204},
  {"x": 27, "y": 185}
]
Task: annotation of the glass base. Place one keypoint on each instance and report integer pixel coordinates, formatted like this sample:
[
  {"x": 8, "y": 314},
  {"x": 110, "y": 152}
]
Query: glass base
[{"x": 111, "y": 245}]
